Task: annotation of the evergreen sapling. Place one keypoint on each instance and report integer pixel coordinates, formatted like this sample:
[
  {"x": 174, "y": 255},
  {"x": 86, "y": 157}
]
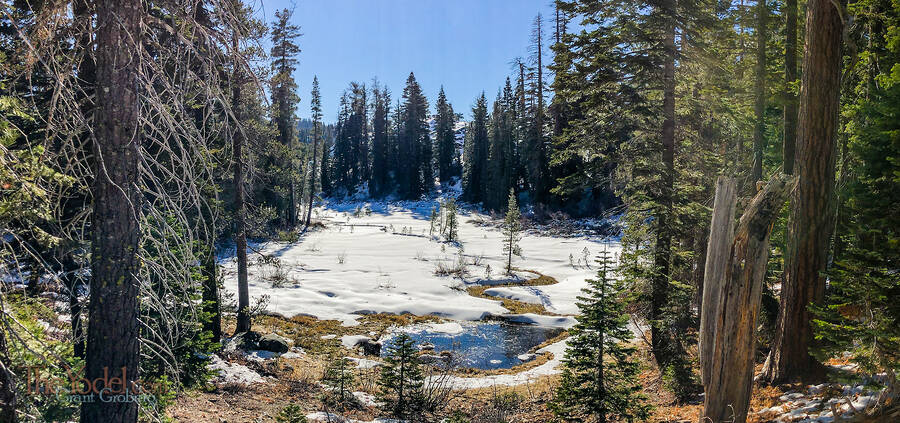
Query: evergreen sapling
[{"x": 598, "y": 382}]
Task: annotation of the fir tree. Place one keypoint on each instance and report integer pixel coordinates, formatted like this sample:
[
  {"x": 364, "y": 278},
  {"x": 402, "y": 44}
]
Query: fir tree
[
  {"x": 451, "y": 225},
  {"x": 476, "y": 153},
  {"x": 599, "y": 378},
  {"x": 414, "y": 170},
  {"x": 512, "y": 230},
  {"x": 284, "y": 98},
  {"x": 402, "y": 381},
  {"x": 379, "y": 184},
  {"x": 338, "y": 381},
  {"x": 445, "y": 121},
  {"x": 501, "y": 157}
]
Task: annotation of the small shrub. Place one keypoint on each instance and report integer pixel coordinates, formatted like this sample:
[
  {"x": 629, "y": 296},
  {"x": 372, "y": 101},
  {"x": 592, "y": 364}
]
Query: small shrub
[
  {"x": 291, "y": 414},
  {"x": 287, "y": 236},
  {"x": 342, "y": 257}
]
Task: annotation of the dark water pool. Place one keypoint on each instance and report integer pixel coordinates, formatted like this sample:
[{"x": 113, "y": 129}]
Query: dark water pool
[{"x": 480, "y": 345}]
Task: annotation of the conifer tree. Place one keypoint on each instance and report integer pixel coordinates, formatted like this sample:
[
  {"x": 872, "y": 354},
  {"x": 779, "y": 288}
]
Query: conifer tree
[
  {"x": 445, "y": 121},
  {"x": 414, "y": 170},
  {"x": 315, "y": 105},
  {"x": 402, "y": 380},
  {"x": 599, "y": 378},
  {"x": 338, "y": 380},
  {"x": 475, "y": 151},
  {"x": 284, "y": 98},
  {"x": 501, "y": 152},
  {"x": 512, "y": 229},
  {"x": 379, "y": 184},
  {"x": 451, "y": 227}
]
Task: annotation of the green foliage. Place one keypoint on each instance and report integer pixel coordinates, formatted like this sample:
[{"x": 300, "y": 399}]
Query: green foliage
[
  {"x": 31, "y": 347},
  {"x": 338, "y": 381},
  {"x": 402, "y": 380},
  {"x": 512, "y": 229},
  {"x": 451, "y": 222},
  {"x": 599, "y": 379},
  {"x": 292, "y": 413}
]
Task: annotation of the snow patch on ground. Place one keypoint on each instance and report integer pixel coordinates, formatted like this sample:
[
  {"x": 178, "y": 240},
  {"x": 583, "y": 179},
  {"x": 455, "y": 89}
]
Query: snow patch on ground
[
  {"x": 379, "y": 257},
  {"x": 233, "y": 372}
]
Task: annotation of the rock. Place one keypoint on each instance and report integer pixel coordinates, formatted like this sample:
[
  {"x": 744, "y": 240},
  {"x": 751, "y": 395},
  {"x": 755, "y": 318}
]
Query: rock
[
  {"x": 246, "y": 341},
  {"x": 370, "y": 347},
  {"x": 426, "y": 346},
  {"x": 275, "y": 343}
]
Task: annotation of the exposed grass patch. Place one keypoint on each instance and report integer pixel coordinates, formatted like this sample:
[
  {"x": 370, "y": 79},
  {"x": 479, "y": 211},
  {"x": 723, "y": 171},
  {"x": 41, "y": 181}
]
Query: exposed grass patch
[
  {"x": 516, "y": 306},
  {"x": 307, "y": 331}
]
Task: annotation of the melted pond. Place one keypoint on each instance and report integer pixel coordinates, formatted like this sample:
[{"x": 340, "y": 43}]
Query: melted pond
[{"x": 478, "y": 345}]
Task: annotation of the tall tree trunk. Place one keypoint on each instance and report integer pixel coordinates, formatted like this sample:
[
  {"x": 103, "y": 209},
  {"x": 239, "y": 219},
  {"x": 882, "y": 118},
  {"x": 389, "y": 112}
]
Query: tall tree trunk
[
  {"x": 312, "y": 182},
  {"x": 759, "y": 108},
  {"x": 663, "y": 249},
  {"x": 790, "y": 77},
  {"x": 113, "y": 342},
  {"x": 732, "y": 291},
  {"x": 811, "y": 222},
  {"x": 7, "y": 384},
  {"x": 240, "y": 230}
]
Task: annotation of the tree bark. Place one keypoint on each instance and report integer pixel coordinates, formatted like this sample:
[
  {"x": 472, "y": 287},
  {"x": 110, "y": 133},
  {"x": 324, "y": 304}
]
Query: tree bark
[
  {"x": 759, "y": 108},
  {"x": 113, "y": 342},
  {"x": 240, "y": 230},
  {"x": 732, "y": 291},
  {"x": 790, "y": 77},
  {"x": 663, "y": 248},
  {"x": 7, "y": 385},
  {"x": 811, "y": 222}
]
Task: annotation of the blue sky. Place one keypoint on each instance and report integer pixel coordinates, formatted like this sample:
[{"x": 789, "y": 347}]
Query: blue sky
[{"x": 466, "y": 45}]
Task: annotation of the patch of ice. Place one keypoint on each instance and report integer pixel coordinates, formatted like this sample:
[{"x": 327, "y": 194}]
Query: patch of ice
[
  {"x": 564, "y": 322},
  {"x": 451, "y": 328}
]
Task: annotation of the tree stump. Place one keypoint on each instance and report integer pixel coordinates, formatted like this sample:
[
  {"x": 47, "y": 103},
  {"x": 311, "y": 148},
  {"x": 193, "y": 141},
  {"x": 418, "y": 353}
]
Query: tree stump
[{"x": 735, "y": 268}]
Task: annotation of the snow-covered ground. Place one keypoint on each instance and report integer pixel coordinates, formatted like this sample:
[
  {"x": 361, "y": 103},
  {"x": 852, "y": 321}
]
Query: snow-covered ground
[{"x": 379, "y": 257}]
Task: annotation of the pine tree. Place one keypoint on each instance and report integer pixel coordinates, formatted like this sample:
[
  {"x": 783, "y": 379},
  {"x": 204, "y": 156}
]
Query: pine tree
[
  {"x": 402, "y": 381},
  {"x": 284, "y": 98},
  {"x": 599, "y": 377},
  {"x": 379, "y": 184},
  {"x": 315, "y": 105},
  {"x": 501, "y": 152},
  {"x": 451, "y": 227},
  {"x": 475, "y": 151},
  {"x": 445, "y": 121},
  {"x": 338, "y": 381},
  {"x": 512, "y": 229},
  {"x": 414, "y": 170}
]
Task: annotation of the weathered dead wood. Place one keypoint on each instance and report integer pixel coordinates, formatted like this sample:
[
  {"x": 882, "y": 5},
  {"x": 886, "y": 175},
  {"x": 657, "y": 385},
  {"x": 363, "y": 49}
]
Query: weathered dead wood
[{"x": 735, "y": 268}]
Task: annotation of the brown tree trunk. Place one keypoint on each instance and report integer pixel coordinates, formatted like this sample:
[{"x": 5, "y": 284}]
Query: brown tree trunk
[
  {"x": 113, "y": 342},
  {"x": 732, "y": 290},
  {"x": 790, "y": 77},
  {"x": 663, "y": 253},
  {"x": 240, "y": 230},
  {"x": 811, "y": 222},
  {"x": 7, "y": 385},
  {"x": 759, "y": 108}
]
